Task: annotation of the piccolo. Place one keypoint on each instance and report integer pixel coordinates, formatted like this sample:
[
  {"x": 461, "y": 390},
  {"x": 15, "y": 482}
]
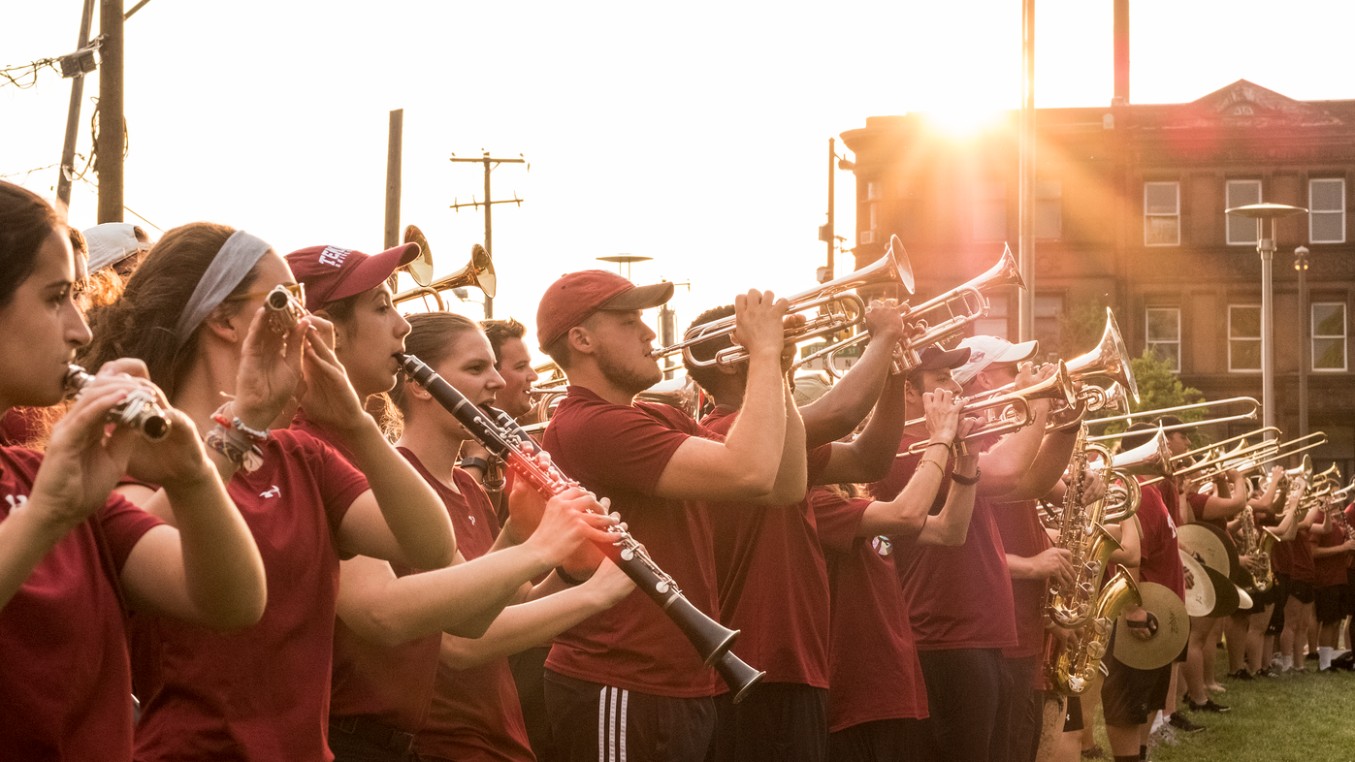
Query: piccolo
[
  {"x": 711, "y": 639},
  {"x": 138, "y": 410}
]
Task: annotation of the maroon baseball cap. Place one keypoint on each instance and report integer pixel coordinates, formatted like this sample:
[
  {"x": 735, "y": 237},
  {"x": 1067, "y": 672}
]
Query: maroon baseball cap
[
  {"x": 571, "y": 299},
  {"x": 330, "y": 273}
]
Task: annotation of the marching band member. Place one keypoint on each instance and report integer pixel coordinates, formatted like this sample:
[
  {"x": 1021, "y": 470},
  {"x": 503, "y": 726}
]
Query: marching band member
[
  {"x": 391, "y": 618},
  {"x": 877, "y": 698},
  {"x": 1246, "y": 632},
  {"x": 1332, "y": 544},
  {"x": 1215, "y": 509},
  {"x": 770, "y": 571},
  {"x": 193, "y": 311},
  {"x": 959, "y": 599},
  {"x": 1131, "y": 697},
  {"x": 627, "y": 681},
  {"x": 73, "y": 556}
]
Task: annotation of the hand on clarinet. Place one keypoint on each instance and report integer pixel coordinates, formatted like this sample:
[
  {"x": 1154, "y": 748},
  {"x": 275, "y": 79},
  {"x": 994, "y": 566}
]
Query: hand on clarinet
[
  {"x": 610, "y": 583},
  {"x": 572, "y": 520}
]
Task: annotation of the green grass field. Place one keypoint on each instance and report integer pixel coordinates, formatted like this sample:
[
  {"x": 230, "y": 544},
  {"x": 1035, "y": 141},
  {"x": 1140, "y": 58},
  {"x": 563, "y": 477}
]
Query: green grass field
[{"x": 1296, "y": 718}]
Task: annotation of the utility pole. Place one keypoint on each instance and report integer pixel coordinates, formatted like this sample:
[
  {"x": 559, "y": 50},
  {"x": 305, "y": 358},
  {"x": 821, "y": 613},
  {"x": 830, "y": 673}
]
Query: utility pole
[
  {"x": 490, "y": 163},
  {"x": 393, "y": 163},
  {"x": 829, "y": 231},
  {"x": 112, "y": 137},
  {"x": 1026, "y": 177},
  {"x": 67, "y": 170}
]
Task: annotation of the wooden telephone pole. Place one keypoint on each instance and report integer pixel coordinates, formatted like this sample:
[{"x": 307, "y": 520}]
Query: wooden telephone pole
[{"x": 490, "y": 163}]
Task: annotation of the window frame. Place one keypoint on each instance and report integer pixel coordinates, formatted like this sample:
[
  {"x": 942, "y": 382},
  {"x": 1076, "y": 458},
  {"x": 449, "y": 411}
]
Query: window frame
[
  {"x": 1228, "y": 220},
  {"x": 1152, "y": 344},
  {"x": 1313, "y": 337},
  {"x": 1147, "y": 215},
  {"x": 1258, "y": 338},
  {"x": 1314, "y": 213}
]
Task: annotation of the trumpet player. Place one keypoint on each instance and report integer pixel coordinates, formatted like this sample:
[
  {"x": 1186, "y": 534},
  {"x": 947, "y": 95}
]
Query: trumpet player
[
  {"x": 960, "y": 600},
  {"x": 770, "y": 569},
  {"x": 1333, "y": 544},
  {"x": 627, "y": 681}
]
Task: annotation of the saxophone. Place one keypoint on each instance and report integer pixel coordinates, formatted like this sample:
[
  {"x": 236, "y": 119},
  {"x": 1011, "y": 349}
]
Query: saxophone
[
  {"x": 1256, "y": 542},
  {"x": 1083, "y": 534},
  {"x": 1077, "y": 661}
]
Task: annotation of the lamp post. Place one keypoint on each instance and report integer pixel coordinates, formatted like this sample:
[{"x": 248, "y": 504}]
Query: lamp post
[
  {"x": 1266, "y": 248},
  {"x": 1305, "y": 342}
]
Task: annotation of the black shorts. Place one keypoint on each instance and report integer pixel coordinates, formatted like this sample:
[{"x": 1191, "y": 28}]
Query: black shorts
[
  {"x": 1330, "y": 604},
  {"x": 1130, "y": 696},
  {"x": 585, "y": 717},
  {"x": 1304, "y": 591},
  {"x": 1260, "y": 600},
  {"x": 1281, "y": 593}
]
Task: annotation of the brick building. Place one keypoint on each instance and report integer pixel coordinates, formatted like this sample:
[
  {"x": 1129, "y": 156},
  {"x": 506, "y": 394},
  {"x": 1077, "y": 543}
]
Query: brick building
[{"x": 1129, "y": 213}]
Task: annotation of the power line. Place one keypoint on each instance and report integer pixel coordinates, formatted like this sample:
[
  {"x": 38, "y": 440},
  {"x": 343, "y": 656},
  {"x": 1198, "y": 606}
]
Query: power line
[{"x": 25, "y": 76}]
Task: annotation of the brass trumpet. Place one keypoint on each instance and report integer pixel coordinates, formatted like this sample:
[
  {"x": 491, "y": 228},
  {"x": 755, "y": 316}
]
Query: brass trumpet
[
  {"x": 1009, "y": 412},
  {"x": 941, "y": 317},
  {"x": 478, "y": 272},
  {"x": 839, "y": 309}
]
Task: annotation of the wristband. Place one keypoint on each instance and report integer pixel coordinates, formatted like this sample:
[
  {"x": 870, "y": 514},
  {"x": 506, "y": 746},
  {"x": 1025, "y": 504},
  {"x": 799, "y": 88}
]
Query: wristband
[
  {"x": 472, "y": 461},
  {"x": 967, "y": 481}
]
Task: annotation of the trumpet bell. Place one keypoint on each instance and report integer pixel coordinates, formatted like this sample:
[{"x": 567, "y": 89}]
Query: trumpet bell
[{"x": 478, "y": 272}]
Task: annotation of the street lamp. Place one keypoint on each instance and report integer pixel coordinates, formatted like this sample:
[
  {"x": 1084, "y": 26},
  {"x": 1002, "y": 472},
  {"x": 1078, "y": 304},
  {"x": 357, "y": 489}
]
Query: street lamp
[
  {"x": 1305, "y": 343},
  {"x": 1266, "y": 248}
]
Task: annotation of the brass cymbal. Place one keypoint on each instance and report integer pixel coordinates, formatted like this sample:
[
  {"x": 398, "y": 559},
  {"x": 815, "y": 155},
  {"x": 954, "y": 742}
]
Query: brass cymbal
[
  {"x": 1226, "y": 599},
  {"x": 1210, "y": 544},
  {"x": 1164, "y": 645},
  {"x": 1201, "y": 597}
]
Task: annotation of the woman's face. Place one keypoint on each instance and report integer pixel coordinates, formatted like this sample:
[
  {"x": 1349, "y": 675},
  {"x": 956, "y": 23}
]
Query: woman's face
[
  {"x": 42, "y": 327},
  {"x": 469, "y": 367},
  {"x": 369, "y": 340},
  {"x": 515, "y": 365}
]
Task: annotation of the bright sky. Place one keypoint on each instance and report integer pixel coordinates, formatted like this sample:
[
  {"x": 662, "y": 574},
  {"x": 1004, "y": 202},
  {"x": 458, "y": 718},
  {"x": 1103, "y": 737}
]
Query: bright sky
[{"x": 695, "y": 134}]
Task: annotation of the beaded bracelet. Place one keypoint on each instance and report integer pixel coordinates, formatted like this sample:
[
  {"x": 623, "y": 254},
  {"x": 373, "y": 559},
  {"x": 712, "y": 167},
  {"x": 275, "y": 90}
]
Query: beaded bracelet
[{"x": 235, "y": 440}]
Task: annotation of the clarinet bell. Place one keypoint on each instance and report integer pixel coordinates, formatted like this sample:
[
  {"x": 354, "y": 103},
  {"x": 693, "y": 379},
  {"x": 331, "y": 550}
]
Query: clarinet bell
[{"x": 738, "y": 675}]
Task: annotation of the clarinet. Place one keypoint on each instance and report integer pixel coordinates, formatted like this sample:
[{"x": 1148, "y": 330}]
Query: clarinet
[
  {"x": 138, "y": 411},
  {"x": 711, "y": 639}
]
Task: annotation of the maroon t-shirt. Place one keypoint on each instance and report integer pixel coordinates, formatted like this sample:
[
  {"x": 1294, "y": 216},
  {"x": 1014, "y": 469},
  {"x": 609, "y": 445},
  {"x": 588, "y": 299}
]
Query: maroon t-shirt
[
  {"x": 1023, "y": 535},
  {"x": 1197, "y": 501},
  {"x": 1329, "y": 571},
  {"x": 392, "y": 685},
  {"x": 475, "y": 713},
  {"x": 874, "y": 672},
  {"x": 772, "y": 581},
  {"x": 619, "y": 452},
  {"x": 65, "y": 683},
  {"x": 958, "y": 597},
  {"x": 1159, "y": 556},
  {"x": 261, "y": 692}
]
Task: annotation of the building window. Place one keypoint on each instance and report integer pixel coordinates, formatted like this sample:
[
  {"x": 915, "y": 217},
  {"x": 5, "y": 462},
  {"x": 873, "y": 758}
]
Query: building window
[
  {"x": 1242, "y": 230},
  {"x": 1163, "y": 332},
  {"x": 1244, "y": 338},
  {"x": 990, "y": 212},
  {"x": 1049, "y": 210},
  {"x": 874, "y": 190},
  {"x": 1162, "y": 214},
  {"x": 1329, "y": 336},
  {"x": 1327, "y": 211},
  {"x": 995, "y": 322},
  {"x": 867, "y": 234}
]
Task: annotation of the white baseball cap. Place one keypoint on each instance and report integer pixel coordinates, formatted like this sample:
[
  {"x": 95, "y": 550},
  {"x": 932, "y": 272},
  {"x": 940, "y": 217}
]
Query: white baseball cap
[
  {"x": 986, "y": 350},
  {"x": 111, "y": 242}
]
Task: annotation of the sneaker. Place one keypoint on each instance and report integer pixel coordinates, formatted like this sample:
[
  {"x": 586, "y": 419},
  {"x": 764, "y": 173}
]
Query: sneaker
[
  {"x": 1209, "y": 705},
  {"x": 1242, "y": 674},
  {"x": 1164, "y": 735},
  {"x": 1267, "y": 672},
  {"x": 1183, "y": 723}
]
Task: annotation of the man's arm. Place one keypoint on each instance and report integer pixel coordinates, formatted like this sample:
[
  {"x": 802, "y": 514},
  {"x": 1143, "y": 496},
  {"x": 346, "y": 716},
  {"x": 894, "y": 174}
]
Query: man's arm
[
  {"x": 869, "y": 456},
  {"x": 835, "y": 414}
]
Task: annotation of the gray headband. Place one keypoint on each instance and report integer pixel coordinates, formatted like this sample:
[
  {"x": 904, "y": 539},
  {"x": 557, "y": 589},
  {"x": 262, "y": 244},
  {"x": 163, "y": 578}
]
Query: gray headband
[{"x": 232, "y": 263}]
